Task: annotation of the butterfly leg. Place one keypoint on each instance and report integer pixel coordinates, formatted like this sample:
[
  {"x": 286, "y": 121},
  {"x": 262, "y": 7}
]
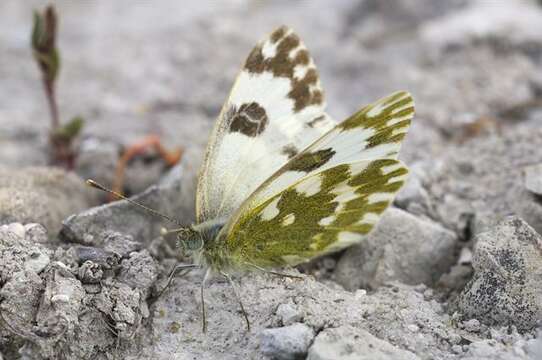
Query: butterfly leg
[
  {"x": 234, "y": 287},
  {"x": 202, "y": 286},
  {"x": 274, "y": 272},
  {"x": 173, "y": 273}
]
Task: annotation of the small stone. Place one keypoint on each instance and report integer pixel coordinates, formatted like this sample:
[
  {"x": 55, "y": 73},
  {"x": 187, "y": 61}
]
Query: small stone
[
  {"x": 348, "y": 343},
  {"x": 457, "y": 349},
  {"x": 289, "y": 314},
  {"x": 139, "y": 270},
  {"x": 533, "y": 178},
  {"x": 36, "y": 233},
  {"x": 121, "y": 244},
  {"x": 90, "y": 273},
  {"x": 465, "y": 256},
  {"x": 37, "y": 261},
  {"x": 17, "y": 229},
  {"x": 472, "y": 325},
  {"x": 428, "y": 294},
  {"x": 286, "y": 343},
  {"x": 360, "y": 293},
  {"x": 454, "y": 339},
  {"x": 106, "y": 259}
]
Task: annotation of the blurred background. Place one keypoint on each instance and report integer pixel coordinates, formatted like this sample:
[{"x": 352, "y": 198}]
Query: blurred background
[{"x": 133, "y": 69}]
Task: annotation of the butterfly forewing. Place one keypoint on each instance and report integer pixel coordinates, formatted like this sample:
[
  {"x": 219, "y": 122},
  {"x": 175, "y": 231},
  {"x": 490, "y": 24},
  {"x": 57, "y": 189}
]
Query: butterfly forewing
[{"x": 275, "y": 109}]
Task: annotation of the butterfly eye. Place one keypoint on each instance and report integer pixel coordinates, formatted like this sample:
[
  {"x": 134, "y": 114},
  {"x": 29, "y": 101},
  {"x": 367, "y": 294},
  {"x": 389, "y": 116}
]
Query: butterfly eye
[
  {"x": 190, "y": 240},
  {"x": 191, "y": 244}
]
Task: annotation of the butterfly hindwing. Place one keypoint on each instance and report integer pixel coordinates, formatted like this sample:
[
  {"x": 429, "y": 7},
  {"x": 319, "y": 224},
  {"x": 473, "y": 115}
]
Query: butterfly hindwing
[
  {"x": 322, "y": 213},
  {"x": 275, "y": 109}
]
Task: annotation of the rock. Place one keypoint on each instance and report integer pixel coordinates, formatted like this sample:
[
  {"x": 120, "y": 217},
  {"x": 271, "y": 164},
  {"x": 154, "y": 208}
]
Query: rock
[
  {"x": 533, "y": 178},
  {"x": 286, "y": 343},
  {"x": 120, "y": 244},
  {"x": 139, "y": 271},
  {"x": 125, "y": 306},
  {"x": 61, "y": 302},
  {"x": 401, "y": 247},
  {"x": 93, "y": 227},
  {"x": 289, "y": 314},
  {"x": 81, "y": 254},
  {"x": 21, "y": 296},
  {"x": 18, "y": 252},
  {"x": 42, "y": 195},
  {"x": 90, "y": 273},
  {"x": 471, "y": 325},
  {"x": 36, "y": 233},
  {"x": 37, "y": 261},
  {"x": 506, "y": 288},
  {"x": 347, "y": 343}
]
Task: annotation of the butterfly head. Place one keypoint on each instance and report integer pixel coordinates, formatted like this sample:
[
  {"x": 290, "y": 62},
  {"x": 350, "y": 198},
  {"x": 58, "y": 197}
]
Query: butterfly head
[{"x": 190, "y": 239}]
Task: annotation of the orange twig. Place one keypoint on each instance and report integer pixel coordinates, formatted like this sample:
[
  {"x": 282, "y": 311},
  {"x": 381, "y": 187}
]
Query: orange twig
[{"x": 138, "y": 148}]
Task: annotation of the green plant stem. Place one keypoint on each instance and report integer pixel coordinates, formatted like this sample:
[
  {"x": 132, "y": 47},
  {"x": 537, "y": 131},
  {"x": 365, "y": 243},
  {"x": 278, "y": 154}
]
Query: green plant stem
[{"x": 53, "y": 107}]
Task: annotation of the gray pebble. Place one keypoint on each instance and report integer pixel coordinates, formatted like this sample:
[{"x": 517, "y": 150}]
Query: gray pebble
[
  {"x": 533, "y": 178},
  {"x": 286, "y": 343},
  {"x": 471, "y": 325},
  {"x": 289, "y": 314}
]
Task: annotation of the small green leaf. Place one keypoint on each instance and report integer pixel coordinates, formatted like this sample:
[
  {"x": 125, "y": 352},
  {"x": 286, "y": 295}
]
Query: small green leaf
[
  {"x": 43, "y": 40},
  {"x": 70, "y": 130},
  {"x": 37, "y": 31}
]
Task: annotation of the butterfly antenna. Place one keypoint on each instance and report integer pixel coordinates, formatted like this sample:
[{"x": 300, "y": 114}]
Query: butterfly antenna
[{"x": 98, "y": 186}]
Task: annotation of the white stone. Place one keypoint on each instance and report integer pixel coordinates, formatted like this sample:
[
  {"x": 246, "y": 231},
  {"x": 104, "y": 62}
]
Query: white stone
[{"x": 286, "y": 343}]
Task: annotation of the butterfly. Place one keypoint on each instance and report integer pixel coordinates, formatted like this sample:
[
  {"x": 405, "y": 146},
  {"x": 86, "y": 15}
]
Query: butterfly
[{"x": 281, "y": 182}]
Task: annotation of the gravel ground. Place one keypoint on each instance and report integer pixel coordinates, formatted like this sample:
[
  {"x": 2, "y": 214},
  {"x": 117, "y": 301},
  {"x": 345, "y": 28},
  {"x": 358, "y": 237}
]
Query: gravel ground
[{"x": 453, "y": 271}]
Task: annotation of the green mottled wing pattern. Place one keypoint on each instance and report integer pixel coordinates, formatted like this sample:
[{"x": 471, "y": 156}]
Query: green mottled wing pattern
[
  {"x": 329, "y": 195},
  {"x": 319, "y": 214}
]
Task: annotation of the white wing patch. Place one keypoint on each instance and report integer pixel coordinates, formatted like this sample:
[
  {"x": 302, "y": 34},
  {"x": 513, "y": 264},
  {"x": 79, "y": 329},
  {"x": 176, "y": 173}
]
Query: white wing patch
[
  {"x": 288, "y": 219},
  {"x": 271, "y": 210}
]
